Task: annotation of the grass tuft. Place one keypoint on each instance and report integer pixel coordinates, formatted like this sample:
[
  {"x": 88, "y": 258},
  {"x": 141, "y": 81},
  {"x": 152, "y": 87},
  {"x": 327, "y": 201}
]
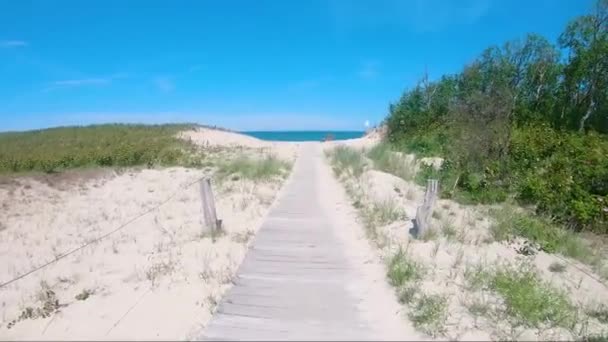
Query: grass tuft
[
  {"x": 429, "y": 314},
  {"x": 528, "y": 300},
  {"x": 557, "y": 267},
  {"x": 402, "y": 270},
  {"x": 347, "y": 159},
  {"x": 388, "y": 161},
  {"x": 550, "y": 237},
  {"x": 252, "y": 168}
]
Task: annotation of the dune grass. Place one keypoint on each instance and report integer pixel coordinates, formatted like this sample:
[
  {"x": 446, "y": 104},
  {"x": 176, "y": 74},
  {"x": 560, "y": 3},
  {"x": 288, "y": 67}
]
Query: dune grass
[
  {"x": 527, "y": 299},
  {"x": 56, "y": 149},
  {"x": 346, "y": 160},
  {"x": 255, "y": 169},
  {"x": 403, "y": 270},
  {"x": 551, "y": 237},
  {"x": 388, "y": 161}
]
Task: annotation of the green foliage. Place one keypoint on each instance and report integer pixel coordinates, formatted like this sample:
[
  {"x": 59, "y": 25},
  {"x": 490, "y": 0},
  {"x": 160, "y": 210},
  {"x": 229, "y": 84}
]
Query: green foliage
[
  {"x": 528, "y": 300},
  {"x": 520, "y": 120},
  {"x": 429, "y": 314},
  {"x": 55, "y": 149},
  {"x": 253, "y": 168},
  {"x": 565, "y": 174},
  {"x": 403, "y": 270}
]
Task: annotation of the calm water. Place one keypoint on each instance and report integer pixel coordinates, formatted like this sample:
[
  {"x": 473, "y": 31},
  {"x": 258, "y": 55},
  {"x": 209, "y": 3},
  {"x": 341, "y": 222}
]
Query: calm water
[{"x": 303, "y": 135}]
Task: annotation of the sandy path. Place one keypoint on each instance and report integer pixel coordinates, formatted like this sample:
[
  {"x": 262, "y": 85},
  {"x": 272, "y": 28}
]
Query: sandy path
[{"x": 311, "y": 274}]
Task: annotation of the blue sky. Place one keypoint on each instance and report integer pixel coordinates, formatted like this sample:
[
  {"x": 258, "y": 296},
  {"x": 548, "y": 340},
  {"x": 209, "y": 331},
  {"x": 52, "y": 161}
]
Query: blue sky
[{"x": 247, "y": 65}]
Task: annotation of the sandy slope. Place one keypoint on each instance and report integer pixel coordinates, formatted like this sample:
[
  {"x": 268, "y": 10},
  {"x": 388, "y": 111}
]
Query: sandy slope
[
  {"x": 215, "y": 138},
  {"x": 157, "y": 278},
  {"x": 469, "y": 246}
]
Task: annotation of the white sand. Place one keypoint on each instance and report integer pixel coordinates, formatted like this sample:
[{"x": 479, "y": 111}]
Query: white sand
[
  {"x": 216, "y": 138},
  {"x": 158, "y": 278},
  {"x": 447, "y": 259}
]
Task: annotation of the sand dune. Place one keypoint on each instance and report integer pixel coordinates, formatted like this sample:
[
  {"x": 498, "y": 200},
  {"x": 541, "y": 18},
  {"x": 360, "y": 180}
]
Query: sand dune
[{"x": 159, "y": 277}]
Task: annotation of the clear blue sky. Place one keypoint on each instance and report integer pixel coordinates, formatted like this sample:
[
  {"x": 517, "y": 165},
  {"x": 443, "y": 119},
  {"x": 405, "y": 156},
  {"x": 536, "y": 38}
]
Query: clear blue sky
[{"x": 261, "y": 65}]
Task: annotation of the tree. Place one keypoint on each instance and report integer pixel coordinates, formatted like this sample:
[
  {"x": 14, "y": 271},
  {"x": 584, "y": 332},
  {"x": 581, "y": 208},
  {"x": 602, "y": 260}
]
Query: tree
[{"x": 586, "y": 73}]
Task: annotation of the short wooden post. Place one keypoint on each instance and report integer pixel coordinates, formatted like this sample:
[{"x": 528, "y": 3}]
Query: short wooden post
[
  {"x": 424, "y": 212},
  {"x": 211, "y": 221}
]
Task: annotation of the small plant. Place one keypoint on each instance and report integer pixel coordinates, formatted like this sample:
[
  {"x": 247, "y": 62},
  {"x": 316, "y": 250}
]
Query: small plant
[
  {"x": 406, "y": 294},
  {"x": 402, "y": 270},
  {"x": 49, "y": 304},
  {"x": 213, "y": 234},
  {"x": 429, "y": 235},
  {"x": 599, "y": 312},
  {"x": 387, "y": 212},
  {"x": 84, "y": 294},
  {"x": 557, "y": 267},
  {"x": 529, "y": 300},
  {"x": 436, "y": 215},
  {"x": 478, "y": 308},
  {"x": 449, "y": 231},
  {"x": 243, "y": 237},
  {"x": 158, "y": 270},
  {"x": 429, "y": 314}
]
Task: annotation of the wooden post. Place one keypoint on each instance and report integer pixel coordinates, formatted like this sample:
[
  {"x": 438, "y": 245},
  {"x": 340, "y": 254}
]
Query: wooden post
[
  {"x": 211, "y": 221},
  {"x": 424, "y": 212}
]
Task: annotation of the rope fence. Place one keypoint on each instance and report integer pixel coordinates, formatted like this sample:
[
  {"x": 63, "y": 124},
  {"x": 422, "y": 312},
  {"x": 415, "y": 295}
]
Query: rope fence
[{"x": 98, "y": 239}]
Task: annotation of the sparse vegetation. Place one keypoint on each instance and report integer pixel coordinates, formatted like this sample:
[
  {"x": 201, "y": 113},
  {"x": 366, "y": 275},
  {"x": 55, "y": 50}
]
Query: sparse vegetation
[
  {"x": 403, "y": 270},
  {"x": 599, "y": 312},
  {"x": 551, "y": 237},
  {"x": 428, "y": 313},
  {"x": 392, "y": 162},
  {"x": 253, "y": 168},
  {"x": 56, "y": 149},
  {"x": 346, "y": 159},
  {"x": 527, "y": 300},
  {"x": 48, "y": 305},
  {"x": 386, "y": 212},
  {"x": 557, "y": 267},
  {"x": 84, "y": 295},
  {"x": 449, "y": 231}
]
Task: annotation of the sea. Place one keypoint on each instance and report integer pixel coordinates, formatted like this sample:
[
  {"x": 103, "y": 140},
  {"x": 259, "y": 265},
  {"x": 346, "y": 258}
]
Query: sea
[{"x": 304, "y": 135}]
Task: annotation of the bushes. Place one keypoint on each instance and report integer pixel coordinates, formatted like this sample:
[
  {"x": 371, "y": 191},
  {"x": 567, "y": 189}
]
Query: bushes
[
  {"x": 55, "y": 149},
  {"x": 520, "y": 121},
  {"x": 565, "y": 174}
]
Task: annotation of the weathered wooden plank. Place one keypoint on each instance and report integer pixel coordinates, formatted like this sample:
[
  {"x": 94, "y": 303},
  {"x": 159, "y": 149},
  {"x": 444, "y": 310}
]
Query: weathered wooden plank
[{"x": 293, "y": 283}]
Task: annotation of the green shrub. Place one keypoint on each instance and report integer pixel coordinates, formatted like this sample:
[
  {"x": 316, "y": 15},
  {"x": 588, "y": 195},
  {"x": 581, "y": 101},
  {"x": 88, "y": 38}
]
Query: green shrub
[{"x": 402, "y": 270}]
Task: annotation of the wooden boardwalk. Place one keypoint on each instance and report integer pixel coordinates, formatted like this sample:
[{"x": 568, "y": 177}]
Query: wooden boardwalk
[{"x": 293, "y": 281}]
